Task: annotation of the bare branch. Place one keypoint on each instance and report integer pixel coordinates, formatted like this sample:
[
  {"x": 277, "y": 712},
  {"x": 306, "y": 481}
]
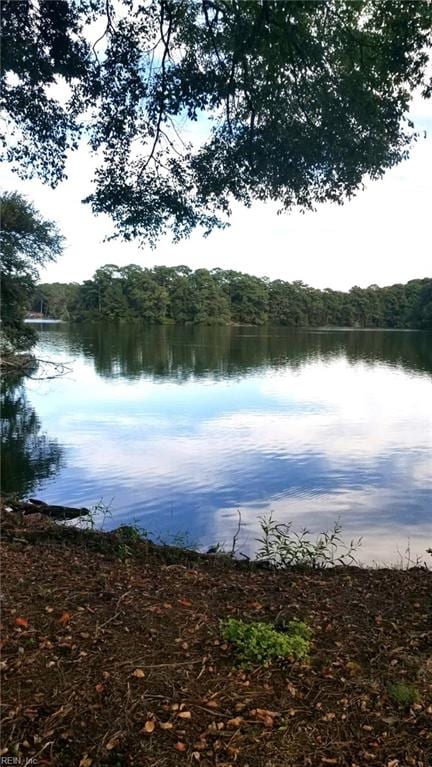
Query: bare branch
[
  {"x": 109, "y": 27},
  {"x": 165, "y": 55}
]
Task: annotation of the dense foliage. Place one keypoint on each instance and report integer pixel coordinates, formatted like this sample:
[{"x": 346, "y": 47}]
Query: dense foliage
[
  {"x": 27, "y": 241},
  {"x": 292, "y": 100},
  {"x": 164, "y": 295}
]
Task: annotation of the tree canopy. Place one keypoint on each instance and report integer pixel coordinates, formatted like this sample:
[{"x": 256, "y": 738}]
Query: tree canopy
[
  {"x": 168, "y": 295},
  {"x": 296, "y": 101},
  {"x": 27, "y": 241}
]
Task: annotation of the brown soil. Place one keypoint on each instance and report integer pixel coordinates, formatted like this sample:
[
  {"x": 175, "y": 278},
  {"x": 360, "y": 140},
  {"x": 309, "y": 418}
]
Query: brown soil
[{"x": 112, "y": 656}]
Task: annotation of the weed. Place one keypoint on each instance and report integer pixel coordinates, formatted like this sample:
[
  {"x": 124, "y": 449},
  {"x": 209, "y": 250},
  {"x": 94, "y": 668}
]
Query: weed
[
  {"x": 283, "y": 547},
  {"x": 407, "y": 559},
  {"x": 128, "y": 537},
  {"x": 180, "y": 540},
  {"x": 124, "y": 552},
  {"x": 130, "y": 534},
  {"x": 96, "y": 517},
  {"x": 403, "y": 694},
  {"x": 260, "y": 643}
]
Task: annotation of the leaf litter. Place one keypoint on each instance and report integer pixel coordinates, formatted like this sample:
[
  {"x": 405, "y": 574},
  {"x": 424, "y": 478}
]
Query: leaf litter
[{"x": 107, "y": 661}]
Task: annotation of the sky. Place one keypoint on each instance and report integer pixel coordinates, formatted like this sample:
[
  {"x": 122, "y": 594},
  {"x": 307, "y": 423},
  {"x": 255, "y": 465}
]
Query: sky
[{"x": 382, "y": 236}]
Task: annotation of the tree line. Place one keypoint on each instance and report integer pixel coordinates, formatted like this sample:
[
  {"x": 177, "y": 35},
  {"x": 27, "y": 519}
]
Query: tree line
[{"x": 179, "y": 295}]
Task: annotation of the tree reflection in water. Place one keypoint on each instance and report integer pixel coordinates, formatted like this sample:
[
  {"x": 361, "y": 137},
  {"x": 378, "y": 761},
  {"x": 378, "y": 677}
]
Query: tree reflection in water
[{"x": 28, "y": 456}]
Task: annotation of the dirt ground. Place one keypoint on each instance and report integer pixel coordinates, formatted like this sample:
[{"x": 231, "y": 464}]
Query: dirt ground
[{"x": 112, "y": 656}]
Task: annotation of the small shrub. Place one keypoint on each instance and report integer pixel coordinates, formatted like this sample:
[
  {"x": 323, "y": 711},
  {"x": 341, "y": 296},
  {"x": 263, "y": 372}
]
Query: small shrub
[
  {"x": 283, "y": 547},
  {"x": 260, "y": 643},
  {"x": 403, "y": 694},
  {"x": 130, "y": 534}
]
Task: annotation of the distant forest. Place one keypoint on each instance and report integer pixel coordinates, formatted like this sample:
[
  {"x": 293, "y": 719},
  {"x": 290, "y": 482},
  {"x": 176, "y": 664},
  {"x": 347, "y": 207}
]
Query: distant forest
[{"x": 168, "y": 295}]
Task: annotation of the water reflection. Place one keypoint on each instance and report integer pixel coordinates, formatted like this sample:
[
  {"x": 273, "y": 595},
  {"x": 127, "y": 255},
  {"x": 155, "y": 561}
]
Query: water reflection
[
  {"x": 311, "y": 425},
  {"x": 28, "y": 456},
  {"x": 133, "y": 350}
]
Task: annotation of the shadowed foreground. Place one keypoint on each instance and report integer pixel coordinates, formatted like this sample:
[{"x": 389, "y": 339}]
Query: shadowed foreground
[{"x": 112, "y": 656}]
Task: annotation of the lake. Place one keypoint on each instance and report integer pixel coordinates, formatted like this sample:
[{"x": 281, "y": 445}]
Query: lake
[{"x": 177, "y": 428}]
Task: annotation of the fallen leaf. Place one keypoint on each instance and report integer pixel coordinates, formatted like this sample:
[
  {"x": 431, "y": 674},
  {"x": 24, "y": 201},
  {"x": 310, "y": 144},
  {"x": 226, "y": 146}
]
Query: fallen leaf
[
  {"x": 179, "y": 746},
  {"x": 112, "y": 743},
  {"x": 185, "y": 715},
  {"x": 329, "y": 717},
  {"x": 236, "y": 722},
  {"x": 353, "y": 667},
  {"x": 149, "y": 726},
  {"x": 23, "y": 622},
  {"x": 99, "y": 688},
  {"x": 139, "y": 673},
  {"x": 64, "y": 619},
  {"x": 256, "y": 605},
  {"x": 267, "y": 721},
  {"x": 200, "y": 745},
  {"x": 86, "y": 761},
  {"x": 263, "y": 712},
  {"x": 166, "y": 725}
]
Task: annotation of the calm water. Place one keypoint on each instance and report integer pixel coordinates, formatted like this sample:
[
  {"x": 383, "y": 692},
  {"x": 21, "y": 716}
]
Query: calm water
[{"x": 177, "y": 428}]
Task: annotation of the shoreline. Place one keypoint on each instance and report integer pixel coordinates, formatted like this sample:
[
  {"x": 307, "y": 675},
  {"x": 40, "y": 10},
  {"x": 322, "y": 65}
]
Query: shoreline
[
  {"x": 315, "y": 551},
  {"x": 303, "y": 328}
]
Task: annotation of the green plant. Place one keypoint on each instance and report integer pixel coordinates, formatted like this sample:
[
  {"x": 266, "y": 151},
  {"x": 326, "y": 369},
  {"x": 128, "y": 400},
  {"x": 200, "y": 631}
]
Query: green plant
[
  {"x": 130, "y": 534},
  {"x": 283, "y": 547},
  {"x": 403, "y": 694},
  {"x": 259, "y": 643},
  {"x": 128, "y": 537},
  {"x": 124, "y": 551},
  {"x": 180, "y": 540},
  {"x": 95, "y": 519}
]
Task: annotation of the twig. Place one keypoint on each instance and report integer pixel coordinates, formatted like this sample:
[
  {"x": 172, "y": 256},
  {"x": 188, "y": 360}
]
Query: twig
[
  {"x": 109, "y": 26},
  {"x": 61, "y": 368},
  {"x": 166, "y": 43},
  {"x": 236, "y": 535},
  {"x": 161, "y": 665},
  {"x": 113, "y": 617}
]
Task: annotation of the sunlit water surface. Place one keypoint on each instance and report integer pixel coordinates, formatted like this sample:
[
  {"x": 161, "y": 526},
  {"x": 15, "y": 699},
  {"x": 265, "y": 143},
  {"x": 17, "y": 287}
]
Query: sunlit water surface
[{"x": 178, "y": 428}]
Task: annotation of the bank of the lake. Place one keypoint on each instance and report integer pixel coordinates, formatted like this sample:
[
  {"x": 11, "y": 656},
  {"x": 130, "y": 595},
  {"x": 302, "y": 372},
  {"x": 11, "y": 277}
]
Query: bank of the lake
[{"x": 113, "y": 655}]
